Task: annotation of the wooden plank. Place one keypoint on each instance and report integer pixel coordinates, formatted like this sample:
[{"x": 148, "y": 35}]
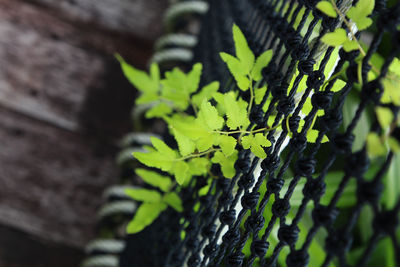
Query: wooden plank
[
  {"x": 51, "y": 180},
  {"x": 51, "y": 70},
  {"x": 138, "y": 17}
]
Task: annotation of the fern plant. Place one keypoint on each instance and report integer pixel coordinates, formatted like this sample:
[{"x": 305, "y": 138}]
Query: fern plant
[{"x": 210, "y": 127}]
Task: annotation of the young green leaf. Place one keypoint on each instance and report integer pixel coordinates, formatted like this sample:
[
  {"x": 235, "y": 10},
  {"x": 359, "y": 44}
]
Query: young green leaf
[
  {"x": 360, "y": 12},
  {"x": 162, "y": 157},
  {"x": 206, "y": 142},
  {"x": 385, "y": 116},
  {"x": 393, "y": 144},
  {"x": 174, "y": 201},
  {"x": 326, "y": 7},
  {"x": 181, "y": 172},
  {"x": 256, "y": 143},
  {"x": 261, "y": 62},
  {"x": 193, "y": 78},
  {"x": 186, "y": 145},
  {"x": 208, "y": 115},
  {"x": 312, "y": 136},
  {"x": 188, "y": 126},
  {"x": 338, "y": 37},
  {"x": 205, "y": 93},
  {"x": 375, "y": 146},
  {"x": 236, "y": 113},
  {"x": 227, "y": 163},
  {"x": 236, "y": 69},
  {"x": 350, "y": 45},
  {"x": 227, "y": 144},
  {"x": 145, "y": 215},
  {"x": 158, "y": 111},
  {"x": 145, "y": 195},
  {"x": 198, "y": 166},
  {"x": 338, "y": 85},
  {"x": 154, "y": 179},
  {"x": 243, "y": 51},
  {"x": 138, "y": 78},
  {"x": 259, "y": 94}
]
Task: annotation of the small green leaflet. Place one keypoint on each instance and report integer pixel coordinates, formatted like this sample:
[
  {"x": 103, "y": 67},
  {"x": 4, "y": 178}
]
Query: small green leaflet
[
  {"x": 312, "y": 136},
  {"x": 338, "y": 85},
  {"x": 393, "y": 144},
  {"x": 158, "y": 111},
  {"x": 236, "y": 113},
  {"x": 198, "y": 166},
  {"x": 243, "y": 51},
  {"x": 350, "y": 45},
  {"x": 391, "y": 94},
  {"x": 173, "y": 200},
  {"x": 145, "y": 215},
  {"x": 186, "y": 145},
  {"x": 375, "y": 146},
  {"x": 259, "y": 94},
  {"x": 256, "y": 143},
  {"x": 327, "y": 8},
  {"x": 154, "y": 179},
  {"x": 385, "y": 116},
  {"x": 145, "y": 195},
  {"x": 360, "y": 12},
  {"x": 209, "y": 116},
  {"x": 205, "y": 93},
  {"x": 148, "y": 85},
  {"x": 193, "y": 78},
  {"x": 338, "y": 37},
  {"x": 227, "y": 163},
  {"x": 227, "y": 144},
  {"x": 166, "y": 159},
  {"x": 237, "y": 70},
  {"x": 180, "y": 171},
  {"x": 244, "y": 67},
  {"x": 261, "y": 62},
  {"x": 177, "y": 86},
  {"x": 163, "y": 157}
]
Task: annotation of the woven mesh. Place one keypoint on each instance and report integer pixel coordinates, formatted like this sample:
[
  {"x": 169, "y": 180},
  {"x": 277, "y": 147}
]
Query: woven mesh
[{"x": 304, "y": 203}]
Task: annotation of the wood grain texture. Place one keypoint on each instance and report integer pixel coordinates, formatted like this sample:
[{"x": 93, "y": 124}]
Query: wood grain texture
[
  {"x": 137, "y": 17},
  {"x": 50, "y": 180},
  {"x": 63, "y": 105}
]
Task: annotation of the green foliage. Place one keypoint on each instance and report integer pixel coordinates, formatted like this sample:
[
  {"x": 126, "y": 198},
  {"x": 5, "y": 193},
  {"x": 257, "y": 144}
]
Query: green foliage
[
  {"x": 144, "y": 216},
  {"x": 335, "y": 38},
  {"x": 327, "y": 8},
  {"x": 256, "y": 143},
  {"x": 244, "y": 67},
  {"x": 360, "y": 12},
  {"x": 154, "y": 179}
]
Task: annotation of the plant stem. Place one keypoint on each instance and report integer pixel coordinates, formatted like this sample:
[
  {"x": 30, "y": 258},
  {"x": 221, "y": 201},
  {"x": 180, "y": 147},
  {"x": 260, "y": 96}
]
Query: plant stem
[
  {"x": 251, "y": 97},
  {"x": 249, "y": 132},
  {"x": 197, "y": 154},
  {"x": 348, "y": 25}
]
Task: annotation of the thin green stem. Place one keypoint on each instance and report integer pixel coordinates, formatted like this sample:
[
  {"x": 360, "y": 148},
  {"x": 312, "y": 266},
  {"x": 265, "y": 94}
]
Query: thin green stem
[
  {"x": 197, "y": 154},
  {"x": 348, "y": 25},
  {"x": 248, "y": 132},
  {"x": 251, "y": 97}
]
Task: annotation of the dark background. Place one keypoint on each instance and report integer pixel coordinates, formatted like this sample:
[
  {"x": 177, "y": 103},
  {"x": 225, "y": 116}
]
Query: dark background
[{"x": 64, "y": 104}]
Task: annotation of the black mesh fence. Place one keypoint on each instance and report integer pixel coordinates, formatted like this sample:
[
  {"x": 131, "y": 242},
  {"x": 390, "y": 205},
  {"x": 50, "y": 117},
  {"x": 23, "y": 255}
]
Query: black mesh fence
[{"x": 306, "y": 204}]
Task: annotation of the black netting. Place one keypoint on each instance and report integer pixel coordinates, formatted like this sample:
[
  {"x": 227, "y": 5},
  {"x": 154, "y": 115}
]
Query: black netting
[{"x": 305, "y": 203}]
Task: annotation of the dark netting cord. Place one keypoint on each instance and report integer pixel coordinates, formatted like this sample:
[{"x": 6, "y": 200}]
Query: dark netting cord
[{"x": 216, "y": 234}]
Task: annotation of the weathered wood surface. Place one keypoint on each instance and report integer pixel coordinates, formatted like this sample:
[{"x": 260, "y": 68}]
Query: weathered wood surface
[
  {"x": 48, "y": 67},
  {"x": 138, "y": 17},
  {"x": 51, "y": 181},
  {"x": 63, "y": 104}
]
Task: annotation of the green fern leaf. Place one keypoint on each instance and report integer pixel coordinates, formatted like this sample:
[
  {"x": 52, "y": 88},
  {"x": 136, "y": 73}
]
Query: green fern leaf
[{"x": 145, "y": 215}]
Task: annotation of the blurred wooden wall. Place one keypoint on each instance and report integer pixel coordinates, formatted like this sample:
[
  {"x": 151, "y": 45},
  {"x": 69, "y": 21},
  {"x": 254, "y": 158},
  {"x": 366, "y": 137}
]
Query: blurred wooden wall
[{"x": 63, "y": 105}]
